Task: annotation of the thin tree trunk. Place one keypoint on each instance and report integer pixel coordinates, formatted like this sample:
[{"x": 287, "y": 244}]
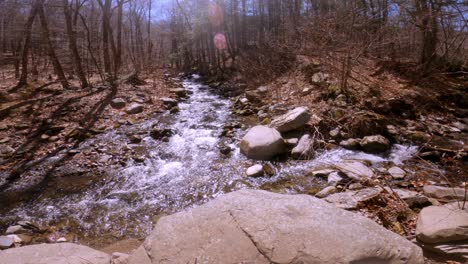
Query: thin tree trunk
[
  {"x": 55, "y": 62},
  {"x": 71, "y": 33}
]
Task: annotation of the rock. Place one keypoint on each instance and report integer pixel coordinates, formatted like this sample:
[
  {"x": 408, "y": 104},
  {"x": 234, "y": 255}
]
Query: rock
[
  {"x": 335, "y": 132},
  {"x": 254, "y": 96},
  {"x": 355, "y": 186},
  {"x": 412, "y": 198},
  {"x": 6, "y": 150},
  {"x": 375, "y": 144},
  {"x": 306, "y": 91},
  {"x": 293, "y": 119},
  {"x": 16, "y": 238},
  {"x": 180, "y": 92},
  {"x": 397, "y": 173},
  {"x": 169, "y": 102},
  {"x": 161, "y": 133},
  {"x": 244, "y": 100},
  {"x": 225, "y": 150},
  {"x": 255, "y": 171},
  {"x": 304, "y": 149},
  {"x": 269, "y": 169},
  {"x": 444, "y": 193},
  {"x": 351, "y": 199},
  {"x": 16, "y": 229},
  {"x": 438, "y": 224},
  {"x": 334, "y": 179},
  {"x": 6, "y": 242},
  {"x": 54, "y": 254},
  {"x": 351, "y": 144},
  {"x": 320, "y": 78},
  {"x": 354, "y": 169},
  {"x": 134, "y": 108},
  {"x": 135, "y": 139},
  {"x": 291, "y": 142},
  {"x": 119, "y": 258},
  {"x": 321, "y": 173},
  {"x": 326, "y": 192},
  {"x": 4, "y": 127},
  {"x": 260, "y": 227},
  {"x": 262, "y": 143},
  {"x": 118, "y": 103}
]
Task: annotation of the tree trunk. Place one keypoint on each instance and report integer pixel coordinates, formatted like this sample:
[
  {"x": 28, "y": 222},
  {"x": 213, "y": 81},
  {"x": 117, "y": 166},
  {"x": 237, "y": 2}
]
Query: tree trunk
[
  {"x": 55, "y": 62},
  {"x": 71, "y": 33},
  {"x": 27, "y": 42}
]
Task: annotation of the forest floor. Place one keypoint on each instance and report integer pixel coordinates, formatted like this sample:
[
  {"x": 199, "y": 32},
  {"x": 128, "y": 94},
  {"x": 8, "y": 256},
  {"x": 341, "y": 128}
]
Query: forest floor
[{"x": 44, "y": 120}]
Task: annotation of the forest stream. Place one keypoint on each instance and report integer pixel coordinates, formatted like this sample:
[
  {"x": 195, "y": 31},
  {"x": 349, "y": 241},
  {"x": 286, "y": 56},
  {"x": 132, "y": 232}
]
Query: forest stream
[{"x": 169, "y": 175}]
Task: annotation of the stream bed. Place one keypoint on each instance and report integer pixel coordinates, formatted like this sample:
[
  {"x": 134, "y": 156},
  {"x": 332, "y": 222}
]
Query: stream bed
[{"x": 167, "y": 177}]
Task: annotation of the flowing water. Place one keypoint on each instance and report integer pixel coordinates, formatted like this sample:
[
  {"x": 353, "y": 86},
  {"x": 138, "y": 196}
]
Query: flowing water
[{"x": 187, "y": 170}]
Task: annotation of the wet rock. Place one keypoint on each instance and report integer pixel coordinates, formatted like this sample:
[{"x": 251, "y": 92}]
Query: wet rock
[
  {"x": 397, "y": 173},
  {"x": 321, "y": 173},
  {"x": 355, "y": 169},
  {"x": 174, "y": 110},
  {"x": 262, "y": 143},
  {"x": 255, "y": 171},
  {"x": 134, "y": 108},
  {"x": 304, "y": 149},
  {"x": 16, "y": 229},
  {"x": 17, "y": 239},
  {"x": 351, "y": 144},
  {"x": 54, "y": 254},
  {"x": 135, "y": 139},
  {"x": 375, "y": 144},
  {"x": 225, "y": 150},
  {"x": 444, "y": 193},
  {"x": 179, "y": 92},
  {"x": 412, "y": 198},
  {"x": 291, "y": 142},
  {"x": 244, "y": 227},
  {"x": 269, "y": 169},
  {"x": 351, "y": 199},
  {"x": 444, "y": 229},
  {"x": 161, "y": 133},
  {"x": 6, "y": 242},
  {"x": 296, "y": 118},
  {"x": 335, "y": 178},
  {"x": 169, "y": 102},
  {"x": 118, "y": 103},
  {"x": 326, "y": 192}
]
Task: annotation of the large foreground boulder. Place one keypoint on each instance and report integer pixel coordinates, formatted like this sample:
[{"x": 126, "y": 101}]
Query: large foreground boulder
[
  {"x": 54, "y": 254},
  {"x": 293, "y": 119},
  {"x": 260, "y": 227},
  {"x": 444, "y": 229},
  {"x": 262, "y": 143}
]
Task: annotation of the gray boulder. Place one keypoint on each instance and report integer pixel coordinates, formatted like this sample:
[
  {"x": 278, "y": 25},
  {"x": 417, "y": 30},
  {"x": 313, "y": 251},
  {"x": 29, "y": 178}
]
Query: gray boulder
[
  {"x": 351, "y": 144},
  {"x": 438, "y": 224},
  {"x": 444, "y": 193},
  {"x": 375, "y": 144},
  {"x": 444, "y": 229},
  {"x": 397, "y": 173},
  {"x": 255, "y": 171},
  {"x": 118, "y": 103},
  {"x": 134, "y": 108},
  {"x": 351, "y": 199},
  {"x": 262, "y": 143},
  {"x": 6, "y": 242},
  {"x": 54, "y": 254},
  {"x": 260, "y": 227},
  {"x": 354, "y": 169},
  {"x": 412, "y": 198},
  {"x": 304, "y": 149},
  {"x": 293, "y": 119}
]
